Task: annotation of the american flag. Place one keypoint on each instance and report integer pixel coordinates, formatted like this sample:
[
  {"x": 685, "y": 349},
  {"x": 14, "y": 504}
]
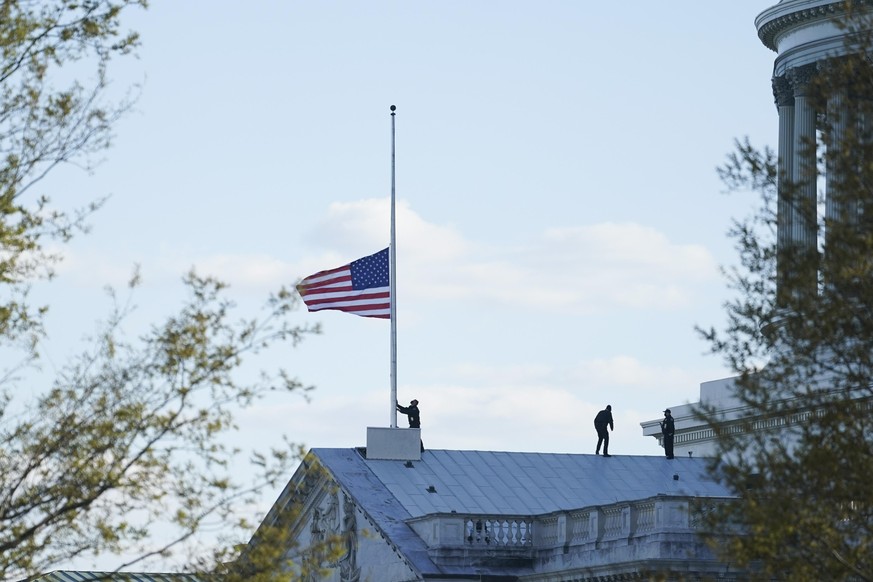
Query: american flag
[{"x": 362, "y": 287}]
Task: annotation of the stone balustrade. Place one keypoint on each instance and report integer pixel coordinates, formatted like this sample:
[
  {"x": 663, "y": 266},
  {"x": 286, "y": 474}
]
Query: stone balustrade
[
  {"x": 499, "y": 531},
  {"x": 639, "y": 526}
]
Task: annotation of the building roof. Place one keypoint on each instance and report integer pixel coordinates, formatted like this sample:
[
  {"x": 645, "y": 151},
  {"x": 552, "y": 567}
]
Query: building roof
[
  {"x": 493, "y": 483},
  {"x": 80, "y": 576}
]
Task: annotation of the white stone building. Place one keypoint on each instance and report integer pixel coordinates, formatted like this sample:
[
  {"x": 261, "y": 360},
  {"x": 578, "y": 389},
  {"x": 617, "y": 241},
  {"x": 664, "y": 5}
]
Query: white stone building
[
  {"x": 805, "y": 36},
  {"x": 446, "y": 515}
]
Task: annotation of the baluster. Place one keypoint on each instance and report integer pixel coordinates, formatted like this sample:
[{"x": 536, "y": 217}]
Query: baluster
[{"x": 501, "y": 532}]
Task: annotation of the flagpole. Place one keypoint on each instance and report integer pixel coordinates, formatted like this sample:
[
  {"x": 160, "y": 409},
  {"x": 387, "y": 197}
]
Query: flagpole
[{"x": 392, "y": 272}]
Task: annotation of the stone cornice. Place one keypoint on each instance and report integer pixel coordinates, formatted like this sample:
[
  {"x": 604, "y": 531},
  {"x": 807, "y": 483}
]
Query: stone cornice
[{"x": 791, "y": 14}]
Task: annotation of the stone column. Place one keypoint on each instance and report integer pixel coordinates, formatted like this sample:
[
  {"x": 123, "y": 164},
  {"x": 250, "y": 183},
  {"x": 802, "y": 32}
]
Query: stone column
[
  {"x": 837, "y": 206},
  {"x": 803, "y": 176},
  {"x": 798, "y": 198},
  {"x": 784, "y": 96},
  {"x": 838, "y": 212}
]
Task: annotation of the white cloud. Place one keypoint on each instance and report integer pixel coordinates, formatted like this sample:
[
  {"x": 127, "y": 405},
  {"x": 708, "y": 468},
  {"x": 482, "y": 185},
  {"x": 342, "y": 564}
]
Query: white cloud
[
  {"x": 635, "y": 245},
  {"x": 254, "y": 271},
  {"x": 581, "y": 269},
  {"x": 354, "y": 227},
  {"x": 93, "y": 268},
  {"x": 627, "y": 371},
  {"x": 258, "y": 271}
]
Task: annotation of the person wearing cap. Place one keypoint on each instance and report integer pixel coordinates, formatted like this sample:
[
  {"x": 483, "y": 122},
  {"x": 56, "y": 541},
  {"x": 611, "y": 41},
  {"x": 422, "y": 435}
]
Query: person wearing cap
[
  {"x": 412, "y": 412},
  {"x": 668, "y": 428},
  {"x": 601, "y": 421}
]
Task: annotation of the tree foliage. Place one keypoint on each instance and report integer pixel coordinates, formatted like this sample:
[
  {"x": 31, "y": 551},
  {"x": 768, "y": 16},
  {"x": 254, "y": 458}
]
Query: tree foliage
[
  {"x": 125, "y": 451},
  {"x": 798, "y": 451},
  {"x": 46, "y": 122},
  {"x": 129, "y": 438}
]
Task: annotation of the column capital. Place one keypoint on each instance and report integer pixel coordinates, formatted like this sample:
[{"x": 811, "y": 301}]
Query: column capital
[
  {"x": 783, "y": 94},
  {"x": 801, "y": 78}
]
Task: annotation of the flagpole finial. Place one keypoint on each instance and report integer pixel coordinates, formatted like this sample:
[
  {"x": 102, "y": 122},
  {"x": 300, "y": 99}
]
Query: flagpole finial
[{"x": 393, "y": 109}]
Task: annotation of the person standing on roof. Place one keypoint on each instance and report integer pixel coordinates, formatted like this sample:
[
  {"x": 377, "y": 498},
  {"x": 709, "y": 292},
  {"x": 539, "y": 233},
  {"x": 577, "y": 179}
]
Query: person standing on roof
[
  {"x": 412, "y": 412},
  {"x": 668, "y": 428},
  {"x": 601, "y": 421}
]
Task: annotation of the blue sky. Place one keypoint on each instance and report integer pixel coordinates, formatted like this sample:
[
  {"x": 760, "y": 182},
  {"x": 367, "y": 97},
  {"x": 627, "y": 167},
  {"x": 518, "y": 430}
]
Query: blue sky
[{"x": 560, "y": 222}]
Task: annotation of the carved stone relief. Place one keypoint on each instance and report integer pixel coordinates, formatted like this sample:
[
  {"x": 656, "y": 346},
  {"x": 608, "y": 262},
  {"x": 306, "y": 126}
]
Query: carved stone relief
[
  {"x": 329, "y": 523},
  {"x": 348, "y": 564}
]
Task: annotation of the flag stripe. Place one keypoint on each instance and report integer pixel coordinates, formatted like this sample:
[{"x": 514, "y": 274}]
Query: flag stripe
[
  {"x": 320, "y": 280},
  {"x": 323, "y": 298},
  {"x": 357, "y": 309},
  {"x": 338, "y": 287},
  {"x": 361, "y": 287}
]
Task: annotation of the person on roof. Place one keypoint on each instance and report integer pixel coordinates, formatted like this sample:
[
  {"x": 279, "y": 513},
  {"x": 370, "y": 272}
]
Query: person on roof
[
  {"x": 601, "y": 421},
  {"x": 668, "y": 428},
  {"x": 412, "y": 412}
]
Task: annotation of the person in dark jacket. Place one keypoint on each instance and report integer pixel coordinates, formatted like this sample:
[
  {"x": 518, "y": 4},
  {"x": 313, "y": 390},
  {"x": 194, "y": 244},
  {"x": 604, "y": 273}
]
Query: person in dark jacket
[
  {"x": 411, "y": 411},
  {"x": 601, "y": 421},
  {"x": 668, "y": 428}
]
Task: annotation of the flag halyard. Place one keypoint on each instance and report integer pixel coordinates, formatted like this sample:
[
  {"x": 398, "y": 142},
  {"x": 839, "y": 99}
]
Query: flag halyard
[{"x": 362, "y": 287}]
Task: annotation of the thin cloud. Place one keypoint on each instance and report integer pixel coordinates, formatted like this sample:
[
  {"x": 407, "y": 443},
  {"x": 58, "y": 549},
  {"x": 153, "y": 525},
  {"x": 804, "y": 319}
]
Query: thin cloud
[
  {"x": 580, "y": 269},
  {"x": 248, "y": 271},
  {"x": 627, "y": 371},
  {"x": 352, "y": 227}
]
